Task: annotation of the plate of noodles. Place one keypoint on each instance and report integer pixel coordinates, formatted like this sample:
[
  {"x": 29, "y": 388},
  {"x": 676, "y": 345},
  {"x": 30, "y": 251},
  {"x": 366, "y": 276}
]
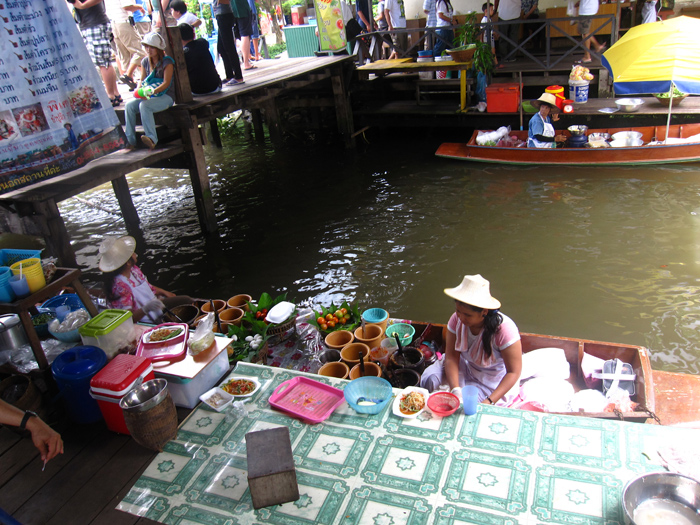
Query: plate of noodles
[
  {"x": 410, "y": 402},
  {"x": 239, "y": 386}
]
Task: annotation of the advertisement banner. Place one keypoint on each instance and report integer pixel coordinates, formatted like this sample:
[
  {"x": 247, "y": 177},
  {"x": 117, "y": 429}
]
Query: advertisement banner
[
  {"x": 55, "y": 115},
  {"x": 331, "y": 29}
]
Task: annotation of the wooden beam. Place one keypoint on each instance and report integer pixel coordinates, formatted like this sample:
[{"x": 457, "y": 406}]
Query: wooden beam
[
  {"x": 199, "y": 175},
  {"x": 126, "y": 204},
  {"x": 343, "y": 110},
  {"x": 257, "y": 125},
  {"x": 48, "y": 217},
  {"x": 215, "y": 134},
  {"x": 273, "y": 121}
]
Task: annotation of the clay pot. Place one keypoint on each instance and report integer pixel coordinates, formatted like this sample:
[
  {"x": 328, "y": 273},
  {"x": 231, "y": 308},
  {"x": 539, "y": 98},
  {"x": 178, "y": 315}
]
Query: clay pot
[
  {"x": 404, "y": 377},
  {"x": 371, "y": 369},
  {"x": 187, "y": 312},
  {"x": 339, "y": 339},
  {"x": 240, "y": 301},
  {"x": 410, "y": 358},
  {"x": 329, "y": 356},
  {"x": 350, "y": 353},
  {"x": 232, "y": 315},
  {"x": 335, "y": 369},
  {"x": 373, "y": 335},
  {"x": 219, "y": 304}
]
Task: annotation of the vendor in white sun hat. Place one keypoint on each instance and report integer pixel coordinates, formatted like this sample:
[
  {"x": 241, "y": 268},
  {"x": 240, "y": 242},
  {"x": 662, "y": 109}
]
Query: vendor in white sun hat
[
  {"x": 540, "y": 131},
  {"x": 126, "y": 286},
  {"x": 482, "y": 347}
]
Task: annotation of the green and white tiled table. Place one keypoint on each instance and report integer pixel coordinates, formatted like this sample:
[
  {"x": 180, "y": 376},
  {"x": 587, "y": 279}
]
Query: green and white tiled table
[{"x": 499, "y": 466}]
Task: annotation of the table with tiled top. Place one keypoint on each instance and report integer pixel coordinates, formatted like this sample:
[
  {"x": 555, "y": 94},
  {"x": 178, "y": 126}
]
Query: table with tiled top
[{"x": 500, "y": 466}]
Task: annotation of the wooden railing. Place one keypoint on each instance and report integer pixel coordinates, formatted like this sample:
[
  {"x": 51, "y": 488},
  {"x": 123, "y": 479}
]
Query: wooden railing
[{"x": 369, "y": 45}]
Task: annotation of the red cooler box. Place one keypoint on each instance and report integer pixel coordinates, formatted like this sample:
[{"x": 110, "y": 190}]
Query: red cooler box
[
  {"x": 110, "y": 384},
  {"x": 503, "y": 98}
]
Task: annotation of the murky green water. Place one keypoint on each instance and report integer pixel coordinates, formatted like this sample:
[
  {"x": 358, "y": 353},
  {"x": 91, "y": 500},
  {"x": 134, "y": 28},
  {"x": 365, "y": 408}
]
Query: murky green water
[{"x": 607, "y": 254}]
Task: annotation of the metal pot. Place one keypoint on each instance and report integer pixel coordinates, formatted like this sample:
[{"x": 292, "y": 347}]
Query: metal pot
[
  {"x": 146, "y": 396},
  {"x": 672, "y": 495},
  {"x": 12, "y": 334}
]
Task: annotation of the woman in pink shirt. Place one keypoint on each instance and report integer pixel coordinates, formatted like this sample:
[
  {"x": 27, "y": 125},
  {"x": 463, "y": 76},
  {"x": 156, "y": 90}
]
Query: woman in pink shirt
[{"x": 482, "y": 346}]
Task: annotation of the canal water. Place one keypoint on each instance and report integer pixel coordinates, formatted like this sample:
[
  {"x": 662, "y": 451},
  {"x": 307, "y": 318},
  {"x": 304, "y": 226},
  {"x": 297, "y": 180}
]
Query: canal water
[{"x": 598, "y": 253}]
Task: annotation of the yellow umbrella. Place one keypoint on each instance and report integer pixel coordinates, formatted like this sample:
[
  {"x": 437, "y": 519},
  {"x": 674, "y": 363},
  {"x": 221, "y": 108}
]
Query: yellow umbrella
[{"x": 649, "y": 58}]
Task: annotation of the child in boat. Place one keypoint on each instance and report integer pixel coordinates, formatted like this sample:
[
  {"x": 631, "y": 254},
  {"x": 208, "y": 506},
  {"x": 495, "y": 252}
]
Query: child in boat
[
  {"x": 482, "y": 347},
  {"x": 155, "y": 91}
]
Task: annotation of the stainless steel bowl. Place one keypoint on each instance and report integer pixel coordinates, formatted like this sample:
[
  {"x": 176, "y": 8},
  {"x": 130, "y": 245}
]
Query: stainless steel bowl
[
  {"x": 146, "y": 396},
  {"x": 599, "y": 136},
  {"x": 663, "y": 493},
  {"x": 629, "y": 105},
  {"x": 626, "y": 143},
  {"x": 578, "y": 130},
  {"x": 625, "y": 135}
]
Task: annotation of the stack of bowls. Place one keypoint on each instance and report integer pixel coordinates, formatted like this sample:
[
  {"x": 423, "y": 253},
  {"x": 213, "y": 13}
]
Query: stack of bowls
[
  {"x": 32, "y": 270},
  {"x": 6, "y": 293}
]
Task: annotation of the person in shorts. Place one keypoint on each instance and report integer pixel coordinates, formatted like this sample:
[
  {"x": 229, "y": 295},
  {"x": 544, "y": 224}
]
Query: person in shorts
[
  {"x": 97, "y": 33},
  {"x": 244, "y": 26},
  {"x": 396, "y": 19},
  {"x": 587, "y": 9}
]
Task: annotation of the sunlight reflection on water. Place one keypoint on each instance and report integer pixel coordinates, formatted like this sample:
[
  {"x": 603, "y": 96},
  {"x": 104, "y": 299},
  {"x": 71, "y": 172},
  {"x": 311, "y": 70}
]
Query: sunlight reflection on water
[{"x": 610, "y": 254}]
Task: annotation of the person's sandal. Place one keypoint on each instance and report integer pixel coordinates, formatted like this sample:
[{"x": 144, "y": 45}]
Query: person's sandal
[{"x": 148, "y": 142}]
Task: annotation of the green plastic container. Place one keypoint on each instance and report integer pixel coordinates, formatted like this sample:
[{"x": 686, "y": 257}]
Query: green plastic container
[{"x": 109, "y": 330}]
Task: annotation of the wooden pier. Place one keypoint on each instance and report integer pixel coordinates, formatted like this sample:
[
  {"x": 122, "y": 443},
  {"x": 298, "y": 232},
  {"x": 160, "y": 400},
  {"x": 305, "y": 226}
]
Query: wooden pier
[{"x": 274, "y": 84}]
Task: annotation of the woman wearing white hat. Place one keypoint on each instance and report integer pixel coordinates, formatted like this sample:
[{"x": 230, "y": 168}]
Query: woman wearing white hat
[
  {"x": 540, "y": 131},
  {"x": 482, "y": 347},
  {"x": 155, "y": 91},
  {"x": 126, "y": 286}
]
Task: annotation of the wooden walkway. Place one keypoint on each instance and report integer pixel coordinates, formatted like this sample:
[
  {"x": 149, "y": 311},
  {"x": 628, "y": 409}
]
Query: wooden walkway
[{"x": 84, "y": 485}]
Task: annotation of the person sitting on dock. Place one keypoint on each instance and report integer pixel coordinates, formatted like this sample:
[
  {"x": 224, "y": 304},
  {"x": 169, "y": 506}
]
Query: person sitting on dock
[
  {"x": 47, "y": 441},
  {"x": 540, "y": 131},
  {"x": 180, "y": 13},
  {"x": 127, "y": 288},
  {"x": 154, "y": 93},
  {"x": 204, "y": 78},
  {"x": 482, "y": 347}
]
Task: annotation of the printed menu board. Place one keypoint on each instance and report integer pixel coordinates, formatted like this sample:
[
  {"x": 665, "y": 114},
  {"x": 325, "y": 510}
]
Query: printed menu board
[{"x": 55, "y": 115}]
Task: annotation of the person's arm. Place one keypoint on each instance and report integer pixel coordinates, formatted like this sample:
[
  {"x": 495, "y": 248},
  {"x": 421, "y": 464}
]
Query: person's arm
[
  {"x": 167, "y": 78},
  {"x": 45, "y": 439},
  {"x": 443, "y": 16},
  {"x": 513, "y": 361},
  {"x": 451, "y": 360},
  {"x": 197, "y": 23},
  {"x": 160, "y": 291},
  {"x": 387, "y": 17}
]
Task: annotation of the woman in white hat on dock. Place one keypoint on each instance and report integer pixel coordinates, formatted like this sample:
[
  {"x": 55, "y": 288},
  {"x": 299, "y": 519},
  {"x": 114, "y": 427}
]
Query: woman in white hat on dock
[
  {"x": 127, "y": 287},
  {"x": 482, "y": 347}
]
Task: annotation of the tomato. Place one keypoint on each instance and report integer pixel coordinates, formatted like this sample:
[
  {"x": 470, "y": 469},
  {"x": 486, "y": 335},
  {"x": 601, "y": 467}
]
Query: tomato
[
  {"x": 323, "y": 326},
  {"x": 347, "y": 317},
  {"x": 344, "y": 311},
  {"x": 329, "y": 317},
  {"x": 331, "y": 324},
  {"x": 320, "y": 320},
  {"x": 343, "y": 320},
  {"x": 338, "y": 314},
  {"x": 335, "y": 319}
]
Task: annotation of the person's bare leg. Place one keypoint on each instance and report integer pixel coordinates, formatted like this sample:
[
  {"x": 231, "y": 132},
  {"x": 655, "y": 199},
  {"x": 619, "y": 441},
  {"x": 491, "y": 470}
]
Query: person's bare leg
[
  {"x": 256, "y": 48},
  {"x": 109, "y": 78},
  {"x": 245, "y": 48},
  {"x": 587, "y": 45}
]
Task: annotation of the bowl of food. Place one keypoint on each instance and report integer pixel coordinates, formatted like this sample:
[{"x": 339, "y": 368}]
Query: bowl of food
[
  {"x": 661, "y": 497},
  {"x": 41, "y": 321},
  {"x": 675, "y": 97},
  {"x": 629, "y": 105},
  {"x": 578, "y": 130},
  {"x": 368, "y": 395}
]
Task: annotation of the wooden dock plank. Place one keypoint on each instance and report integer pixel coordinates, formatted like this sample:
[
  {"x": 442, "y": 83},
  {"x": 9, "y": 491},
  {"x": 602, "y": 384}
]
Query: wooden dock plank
[{"x": 677, "y": 400}]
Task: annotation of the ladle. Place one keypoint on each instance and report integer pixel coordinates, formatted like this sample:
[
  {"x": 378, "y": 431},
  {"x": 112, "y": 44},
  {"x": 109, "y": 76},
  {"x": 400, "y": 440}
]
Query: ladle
[
  {"x": 169, "y": 312},
  {"x": 399, "y": 349},
  {"x": 216, "y": 315},
  {"x": 362, "y": 363}
]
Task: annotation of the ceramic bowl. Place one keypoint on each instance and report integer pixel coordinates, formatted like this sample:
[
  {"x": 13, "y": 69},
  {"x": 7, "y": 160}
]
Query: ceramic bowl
[
  {"x": 231, "y": 315},
  {"x": 335, "y": 369},
  {"x": 371, "y": 370},
  {"x": 239, "y": 301},
  {"x": 350, "y": 353}
]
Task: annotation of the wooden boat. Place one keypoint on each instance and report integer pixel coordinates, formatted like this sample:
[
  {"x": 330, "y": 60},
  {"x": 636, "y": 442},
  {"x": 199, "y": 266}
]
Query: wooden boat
[
  {"x": 671, "y": 397},
  {"x": 586, "y": 156}
]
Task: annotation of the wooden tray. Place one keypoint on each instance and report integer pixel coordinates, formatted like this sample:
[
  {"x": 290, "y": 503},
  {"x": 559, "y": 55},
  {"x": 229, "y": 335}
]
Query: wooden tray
[{"x": 307, "y": 399}]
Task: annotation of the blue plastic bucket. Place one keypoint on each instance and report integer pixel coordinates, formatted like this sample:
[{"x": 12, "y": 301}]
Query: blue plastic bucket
[
  {"x": 578, "y": 91},
  {"x": 425, "y": 54},
  {"x": 73, "y": 370}
]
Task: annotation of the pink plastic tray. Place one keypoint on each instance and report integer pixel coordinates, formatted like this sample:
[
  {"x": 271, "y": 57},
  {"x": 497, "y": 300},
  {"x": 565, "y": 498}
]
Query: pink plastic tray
[
  {"x": 170, "y": 350},
  {"x": 307, "y": 399}
]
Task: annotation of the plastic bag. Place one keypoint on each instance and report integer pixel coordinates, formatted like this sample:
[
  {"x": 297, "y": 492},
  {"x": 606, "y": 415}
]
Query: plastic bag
[
  {"x": 73, "y": 320},
  {"x": 480, "y": 90},
  {"x": 203, "y": 336},
  {"x": 571, "y": 9}
]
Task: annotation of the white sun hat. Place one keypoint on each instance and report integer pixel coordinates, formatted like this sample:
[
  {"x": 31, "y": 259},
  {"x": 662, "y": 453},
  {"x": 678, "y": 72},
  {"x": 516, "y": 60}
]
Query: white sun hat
[
  {"x": 474, "y": 290},
  {"x": 114, "y": 253},
  {"x": 154, "y": 39}
]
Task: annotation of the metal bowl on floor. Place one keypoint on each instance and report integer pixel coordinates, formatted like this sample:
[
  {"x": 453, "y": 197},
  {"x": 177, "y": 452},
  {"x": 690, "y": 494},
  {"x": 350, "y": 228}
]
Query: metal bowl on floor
[
  {"x": 599, "y": 136},
  {"x": 578, "y": 130},
  {"x": 626, "y": 143},
  {"x": 665, "y": 497},
  {"x": 629, "y": 105}
]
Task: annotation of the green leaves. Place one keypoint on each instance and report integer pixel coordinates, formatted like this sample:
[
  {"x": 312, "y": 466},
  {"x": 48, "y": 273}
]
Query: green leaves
[{"x": 354, "y": 322}]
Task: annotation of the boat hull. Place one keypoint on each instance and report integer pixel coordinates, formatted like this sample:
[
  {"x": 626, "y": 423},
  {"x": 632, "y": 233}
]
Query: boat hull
[{"x": 629, "y": 156}]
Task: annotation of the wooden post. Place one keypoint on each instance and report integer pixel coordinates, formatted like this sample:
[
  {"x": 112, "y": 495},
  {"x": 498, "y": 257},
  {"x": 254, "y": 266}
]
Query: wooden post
[
  {"x": 215, "y": 134},
  {"x": 199, "y": 175},
  {"x": 121, "y": 190},
  {"x": 54, "y": 232},
  {"x": 183, "y": 91},
  {"x": 273, "y": 121},
  {"x": 257, "y": 125},
  {"x": 343, "y": 111}
]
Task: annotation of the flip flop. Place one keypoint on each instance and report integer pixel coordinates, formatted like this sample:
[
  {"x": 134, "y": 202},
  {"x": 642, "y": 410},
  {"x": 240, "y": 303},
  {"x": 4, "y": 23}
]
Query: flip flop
[
  {"x": 602, "y": 47},
  {"x": 587, "y": 61},
  {"x": 249, "y": 68}
]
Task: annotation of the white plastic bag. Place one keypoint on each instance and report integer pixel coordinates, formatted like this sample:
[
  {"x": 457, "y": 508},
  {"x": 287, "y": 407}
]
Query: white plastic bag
[
  {"x": 203, "y": 336},
  {"x": 571, "y": 9}
]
